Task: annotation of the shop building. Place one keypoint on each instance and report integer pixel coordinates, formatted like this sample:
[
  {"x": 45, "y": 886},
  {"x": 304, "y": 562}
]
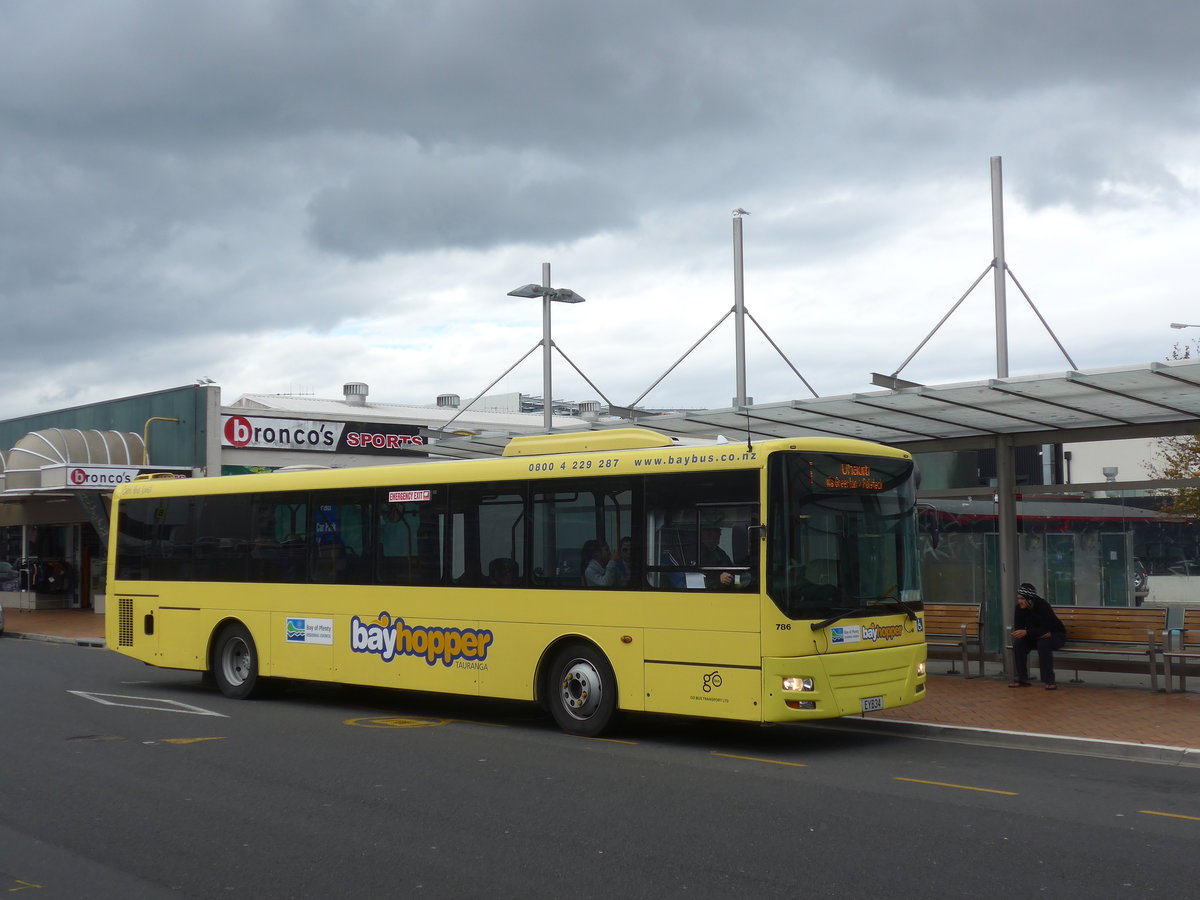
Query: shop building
[{"x": 58, "y": 469}]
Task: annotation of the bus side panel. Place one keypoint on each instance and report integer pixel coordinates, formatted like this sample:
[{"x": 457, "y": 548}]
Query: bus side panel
[
  {"x": 182, "y": 644},
  {"x": 422, "y": 654},
  {"x": 715, "y": 691},
  {"x": 302, "y": 646}
]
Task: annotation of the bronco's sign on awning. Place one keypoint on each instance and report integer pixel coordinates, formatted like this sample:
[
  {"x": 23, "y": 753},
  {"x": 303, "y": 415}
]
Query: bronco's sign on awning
[{"x": 271, "y": 433}]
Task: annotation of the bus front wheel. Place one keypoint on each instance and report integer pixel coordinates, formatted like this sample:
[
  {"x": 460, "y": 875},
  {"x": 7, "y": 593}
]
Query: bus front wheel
[
  {"x": 581, "y": 690},
  {"x": 235, "y": 663}
]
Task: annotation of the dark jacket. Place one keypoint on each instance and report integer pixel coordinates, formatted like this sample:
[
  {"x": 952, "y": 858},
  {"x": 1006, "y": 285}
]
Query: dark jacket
[{"x": 1038, "y": 619}]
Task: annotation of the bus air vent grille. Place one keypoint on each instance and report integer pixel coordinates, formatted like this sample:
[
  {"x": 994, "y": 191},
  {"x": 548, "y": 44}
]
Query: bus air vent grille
[{"x": 125, "y": 622}]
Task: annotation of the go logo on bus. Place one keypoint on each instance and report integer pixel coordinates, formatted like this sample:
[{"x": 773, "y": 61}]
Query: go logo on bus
[{"x": 387, "y": 637}]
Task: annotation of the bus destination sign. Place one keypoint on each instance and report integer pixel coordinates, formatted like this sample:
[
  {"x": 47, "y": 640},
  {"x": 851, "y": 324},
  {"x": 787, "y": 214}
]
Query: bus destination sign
[{"x": 852, "y": 477}]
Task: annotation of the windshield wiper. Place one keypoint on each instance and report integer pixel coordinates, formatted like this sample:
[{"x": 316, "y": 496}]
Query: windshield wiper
[
  {"x": 817, "y": 626},
  {"x": 896, "y": 601},
  {"x": 873, "y": 602}
]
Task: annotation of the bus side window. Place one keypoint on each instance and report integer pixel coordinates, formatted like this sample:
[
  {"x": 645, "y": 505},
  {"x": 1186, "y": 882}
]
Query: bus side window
[
  {"x": 572, "y": 514},
  {"x": 488, "y": 522},
  {"x": 408, "y": 541},
  {"x": 341, "y": 524},
  {"x": 699, "y": 526}
]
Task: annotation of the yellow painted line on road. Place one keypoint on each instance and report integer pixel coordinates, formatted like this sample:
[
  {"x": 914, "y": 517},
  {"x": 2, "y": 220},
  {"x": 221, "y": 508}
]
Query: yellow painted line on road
[
  {"x": 1151, "y": 812},
  {"x": 774, "y": 762},
  {"x": 23, "y": 886},
  {"x": 961, "y": 787},
  {"x": 190, "y": 740},
  {"x": 604, "y": 740}
]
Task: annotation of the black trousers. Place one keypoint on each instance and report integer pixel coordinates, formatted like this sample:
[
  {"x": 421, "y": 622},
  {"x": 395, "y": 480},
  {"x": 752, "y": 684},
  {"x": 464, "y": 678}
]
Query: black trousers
[{"x": 1045, "y": 647}]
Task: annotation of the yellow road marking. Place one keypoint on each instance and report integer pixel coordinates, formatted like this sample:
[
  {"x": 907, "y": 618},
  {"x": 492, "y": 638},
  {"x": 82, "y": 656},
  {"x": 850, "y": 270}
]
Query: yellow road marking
[
  {"x": 606, "y": 740},
  {"x": 396, "y": 722},
  {"x": 774, "y": 762},
  {"x": 190, "y": 740},
  {"x": 1151, "y": 812},
  {"x": 24, "y": 886},
  {"x": 961, "y": 787}
]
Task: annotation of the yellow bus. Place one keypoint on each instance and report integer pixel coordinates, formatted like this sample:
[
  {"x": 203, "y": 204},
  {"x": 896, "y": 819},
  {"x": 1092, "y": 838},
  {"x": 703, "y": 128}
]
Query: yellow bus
[{"x": 594, "y": 573}]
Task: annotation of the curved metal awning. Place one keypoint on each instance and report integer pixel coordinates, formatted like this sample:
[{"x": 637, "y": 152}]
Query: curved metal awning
[
  {"x": 1149, "y": 400},
  {"x": 40, "y": 452}
]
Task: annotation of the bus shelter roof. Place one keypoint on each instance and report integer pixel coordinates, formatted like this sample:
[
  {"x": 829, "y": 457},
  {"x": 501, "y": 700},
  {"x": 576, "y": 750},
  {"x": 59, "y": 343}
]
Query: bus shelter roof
[{"x": 1150, "y": 400}]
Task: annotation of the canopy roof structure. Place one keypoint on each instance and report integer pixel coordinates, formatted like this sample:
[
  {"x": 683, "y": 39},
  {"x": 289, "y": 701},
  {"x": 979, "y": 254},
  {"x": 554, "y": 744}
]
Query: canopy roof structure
[{"x": 1148, "y": 400}]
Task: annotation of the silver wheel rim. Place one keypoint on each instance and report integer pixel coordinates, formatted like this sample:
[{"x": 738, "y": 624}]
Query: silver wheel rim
[
  {"x": 581, "y": 689},
  {"x": 236, "y": 661}
]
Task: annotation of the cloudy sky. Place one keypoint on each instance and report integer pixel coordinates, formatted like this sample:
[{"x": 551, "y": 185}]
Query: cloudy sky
[{"x": 285, "y": 196}]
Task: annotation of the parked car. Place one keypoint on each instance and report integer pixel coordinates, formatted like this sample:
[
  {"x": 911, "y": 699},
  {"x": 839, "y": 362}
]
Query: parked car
[{"x": 1141, "y": 581}]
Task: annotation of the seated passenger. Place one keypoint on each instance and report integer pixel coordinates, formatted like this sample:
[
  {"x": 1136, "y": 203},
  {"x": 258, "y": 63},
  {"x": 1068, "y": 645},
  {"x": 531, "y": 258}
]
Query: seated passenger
[
  {"x": 624, "y": 561},
  {"x": 503, "y": 571},
  {"x": 599, "y": 568}
]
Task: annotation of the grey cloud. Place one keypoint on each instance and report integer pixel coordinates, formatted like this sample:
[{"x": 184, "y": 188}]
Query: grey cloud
[{"x": 435, "y": 202}]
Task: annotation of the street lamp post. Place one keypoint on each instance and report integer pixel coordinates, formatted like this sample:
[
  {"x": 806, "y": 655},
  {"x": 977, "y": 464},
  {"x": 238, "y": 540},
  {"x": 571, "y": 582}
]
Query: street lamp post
[
  {"x": 547, "y": 293},
  {"x": 1182, "y": 325}
]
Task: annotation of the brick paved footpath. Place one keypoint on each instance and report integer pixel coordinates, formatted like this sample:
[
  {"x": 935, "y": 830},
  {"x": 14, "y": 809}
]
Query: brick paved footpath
[{"x": 1092, "y": 710}]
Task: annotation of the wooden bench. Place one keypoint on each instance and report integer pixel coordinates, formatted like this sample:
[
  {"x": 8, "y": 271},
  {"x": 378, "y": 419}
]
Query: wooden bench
[
  {"x": 1182, "y": 645},
  {"x": 957, "y": 626},
  {"x": 1109, "y": 639}
]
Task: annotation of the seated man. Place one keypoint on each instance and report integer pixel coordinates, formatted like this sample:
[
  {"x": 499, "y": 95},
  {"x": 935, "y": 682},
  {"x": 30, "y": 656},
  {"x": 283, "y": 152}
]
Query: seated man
[{"x": 1035, "y": 626}]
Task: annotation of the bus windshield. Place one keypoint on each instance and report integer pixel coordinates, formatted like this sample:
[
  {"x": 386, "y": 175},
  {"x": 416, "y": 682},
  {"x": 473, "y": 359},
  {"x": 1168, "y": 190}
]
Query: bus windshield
[{"x": 842, "y": 535}]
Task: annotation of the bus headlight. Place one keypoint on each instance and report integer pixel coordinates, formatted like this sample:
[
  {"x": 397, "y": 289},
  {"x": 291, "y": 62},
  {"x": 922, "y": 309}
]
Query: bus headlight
[
  {"x": 797, "y": 684},
  {"x": 920, "y": 669}
]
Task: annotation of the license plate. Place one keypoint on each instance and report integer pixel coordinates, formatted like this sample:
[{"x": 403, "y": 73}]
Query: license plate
[{"x": 870, "y": 704}]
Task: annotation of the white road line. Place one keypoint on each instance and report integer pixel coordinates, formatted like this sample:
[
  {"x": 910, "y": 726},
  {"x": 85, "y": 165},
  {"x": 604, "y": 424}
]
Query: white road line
[{"x": 157, "y": 704}]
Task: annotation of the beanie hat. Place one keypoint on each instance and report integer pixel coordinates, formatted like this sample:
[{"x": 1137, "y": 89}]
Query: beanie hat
[{"x": 1027, "y": 590}]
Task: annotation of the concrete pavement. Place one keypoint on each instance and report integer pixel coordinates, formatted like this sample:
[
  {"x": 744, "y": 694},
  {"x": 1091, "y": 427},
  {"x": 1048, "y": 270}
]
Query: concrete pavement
[{"x": 1104, "y": 715}]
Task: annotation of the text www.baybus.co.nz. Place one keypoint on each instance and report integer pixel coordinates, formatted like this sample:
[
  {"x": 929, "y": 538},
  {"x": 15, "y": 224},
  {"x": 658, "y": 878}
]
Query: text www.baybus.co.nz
[{"x": 688, "y": 459}]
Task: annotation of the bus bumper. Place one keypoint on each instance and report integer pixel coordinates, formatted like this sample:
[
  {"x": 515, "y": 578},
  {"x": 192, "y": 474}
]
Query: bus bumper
[{"x": 842, "y": 684}]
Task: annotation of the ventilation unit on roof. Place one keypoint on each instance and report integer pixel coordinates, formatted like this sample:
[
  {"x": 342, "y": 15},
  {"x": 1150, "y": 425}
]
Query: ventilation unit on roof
[
  {"x": 355, "y": 393},
  {"x": 448, "y": 401}
]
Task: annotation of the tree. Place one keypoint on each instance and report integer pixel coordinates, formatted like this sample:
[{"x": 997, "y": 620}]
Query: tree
[{"x": 1179, "y": 456}]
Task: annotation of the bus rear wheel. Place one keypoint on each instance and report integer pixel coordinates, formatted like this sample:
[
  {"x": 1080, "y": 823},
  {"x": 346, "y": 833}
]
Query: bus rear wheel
[
  {"x": 581, "y": 690},
  {"x": 235, "y": 663}
]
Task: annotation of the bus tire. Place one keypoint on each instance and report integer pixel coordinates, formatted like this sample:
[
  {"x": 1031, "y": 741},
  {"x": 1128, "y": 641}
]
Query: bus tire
[
  {"x": 235, "y": 663},
  {"x": 581, "y": 690}
]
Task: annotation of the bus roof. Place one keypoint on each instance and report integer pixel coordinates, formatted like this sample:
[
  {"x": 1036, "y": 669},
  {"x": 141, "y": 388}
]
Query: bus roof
[{"x": 634, "y": 451}]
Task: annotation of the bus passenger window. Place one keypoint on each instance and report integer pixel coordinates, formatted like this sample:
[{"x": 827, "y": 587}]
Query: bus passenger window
[
  {"x": 700, "y": 528},
  {"x": 408, "y": 542}
]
